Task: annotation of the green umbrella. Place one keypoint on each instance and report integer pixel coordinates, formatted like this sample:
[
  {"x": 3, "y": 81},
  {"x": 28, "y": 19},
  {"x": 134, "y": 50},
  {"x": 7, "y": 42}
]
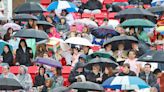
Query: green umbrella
[{"x": 138, "y": 23}]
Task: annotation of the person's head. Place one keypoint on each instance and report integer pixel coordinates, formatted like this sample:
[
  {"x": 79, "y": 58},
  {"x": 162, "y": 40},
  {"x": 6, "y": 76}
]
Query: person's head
[
  {"x": 48, "y": 83},
  {"x": 147, "y": 68},
  {"x": 22, "y": 43},
  {"x": 140, "y": 29},
  {"x": 10, "y": 31},
  {"x": 131, "y": 30},
  {"x": 80, "y": 67},
  {"x": 40, "y": 27},
  {"x": 45, "y": 55},
  {"x": 41, "y": 47},
  {"x": 134, "y": 46},
  {"x": 42, "y": 70},
  {"x": 121, "y": 46},
  {"x": 73, "y": 28},
  {"x": 5, "y": 69},
  {"x": 131, "y": 54},
  {"x": 62, "y": 20},
  {"x": 158, "y": 73},
  {"x": 96, "y": 68},
  {"x": 108, "y": 70},
  {"x": 31, "y": 22},
  {"x": 86, "y": 49},
  {"x": 23, "y": 69},
  {"x": 82, "y": 58},
  {"x": 76, "y": 49},
  {"x": 49, "y": 19},
  {"x": 159, "y": 37},
  {"x": 108, "y": 47},
  {"x": 6, "y": 49},
  {"x": 126, "y": 68},
  {"x": 85, "y": 29},
  {"x": 56, "y": 71},
  {"x": 64, "y": 12}
]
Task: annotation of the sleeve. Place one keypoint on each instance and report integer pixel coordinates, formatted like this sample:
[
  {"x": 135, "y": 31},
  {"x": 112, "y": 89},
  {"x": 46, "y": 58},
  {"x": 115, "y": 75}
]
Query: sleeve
[{"x": 72, "y": 77}]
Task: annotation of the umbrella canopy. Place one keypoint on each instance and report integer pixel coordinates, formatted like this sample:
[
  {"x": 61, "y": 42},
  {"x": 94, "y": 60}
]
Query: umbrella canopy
[
  {"x": 101, "y": 55},
  {"x": 49, "y": 62},
  {"x": 11, "y": 25},
  {"x": 45, "y": 24},
  {"x": 102, "y": 62},
  {"x": 31, "y": 33},
  {"x": 59, "y": 5},
  {"x": 30, "y": 7},
  {"x": 89, "y": 86},
  {"x": 160, "y": 29},
  {"x": 156, "y": 9},
  {"x": 78, "y": 41},
  {"x": 2, "y": 44},
  {"x": 125, "y": 83},
  {"x": 134, "y": 13},
  {"x": 138, "y": 23},
  {"x": 9, "y": 84},
  {"x": 61, "y": 89},
  {"x": 157, "y": 2},
  {"x": 103, "y": 32},
  {"x": 126, "y": 40},
  {"x": 152, "y": 56},
  {"x": 87, "y": 22},
  {"x": 24, "y": 17}
]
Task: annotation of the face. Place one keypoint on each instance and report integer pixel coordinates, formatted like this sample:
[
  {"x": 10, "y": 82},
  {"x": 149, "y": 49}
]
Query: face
[
  {"x": 108, "y": 47},
  {"x": 30, "y": 22},
  {"x": 45, "y": 55},
  {"x": 54, "y": 70},
  {"x": 22, "y": 44},
  {"x": 147, "y": 68},
  {"x": 132, "y": 55},
  {"x": 48, "y": 19},
  {"x": 80, "y": 70},
  {"x": 75, "y": 50},
  {"x": 41, "y": 71},
  {"x": 85, "y": 29},
  {"x": 85, "y": 48},
  {"x": 6, "y": 49},
  {"x": 134, "y": 45},
  {"x": 63, "y": 13},
  {"x": 10, "y": 31},
  {"x": 96, "y": 68},
  {"x": 21, "y": 70},
  {"x": 106, "y": 70},
  {"x": 121, "y": 47},
  {"x": 125, "y": 70},
  {"x": 131, "y": 30},
  {"x": 82, "y": 60},
  {"x": 62, "y": 21}
]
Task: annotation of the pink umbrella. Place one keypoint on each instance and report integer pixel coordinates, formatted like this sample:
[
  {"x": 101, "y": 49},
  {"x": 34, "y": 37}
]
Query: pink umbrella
[{"x": 12, "y": 25}]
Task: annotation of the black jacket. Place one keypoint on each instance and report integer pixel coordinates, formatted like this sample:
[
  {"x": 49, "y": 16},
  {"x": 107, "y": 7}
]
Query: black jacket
[
  {"x": 39, "y": 80},
  {"x": 93, "y": 4},
  {"x": 8, "y": 58},
  {"x": 24, "y": 58},
  {"x": 92, "y": 77},
  {"x": 131, "y": 73}
]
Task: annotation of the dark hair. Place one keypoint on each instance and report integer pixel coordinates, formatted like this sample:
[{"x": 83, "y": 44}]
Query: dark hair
[
  {"x": 126, "y": 65},
  {"x": 59, "y": 71},
  {"x": 41, "y": 67},
  {"x": 8, "y": 48},
  {"x": 65, "y": 11},
  {"x": 131, "y": 28},
  {"x": 7, "y": 35},
  {"x": 132, "y": 51},
  {"x": 156, "y": 71},
  {"x": 22, "y": 40},
  {"x": 148, "y": 64}
]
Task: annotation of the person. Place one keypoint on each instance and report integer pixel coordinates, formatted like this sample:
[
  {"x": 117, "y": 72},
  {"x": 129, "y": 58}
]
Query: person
[
  {"x": 148, "y": 75},
  {"x": 86, "y": 50},
  {"x": 25, "y": 78},
  {"x": 69, "y": 17},
  {"x": 126, "y": 71},
  {"x": 120, "y": 54},
  {"x": 7, "y": 55},
  {"x": 53, "y": 33},
  {"x": 94, "y": 75},
  {"x": 132, "y": 61},
  {"x": 47, "y": 86},
  {"x": 23, "y": 54},
  {"x": 93, "y": 6},
  {"x": 108, "y": 49},
  {"x": 109, "y": 72},
  {"x": 31, "y": 24},
  {"x": 58, "y": 80},
  {"x": 77, "y": 74},
  {"x": 2, "y": 8},
  {"x": 40, "y": 78},
  {"x": 158, "y": 73},
  {"x": 49, "y": 19},
  {"x": 75, "y": 55},
  {"x": 8, "y": 35},
  {"x": 41, "y": 49},
  {"x": 6, "y": 72},
  {"x": 139, "y": 51},
  {"x": 132, "y": 32}
]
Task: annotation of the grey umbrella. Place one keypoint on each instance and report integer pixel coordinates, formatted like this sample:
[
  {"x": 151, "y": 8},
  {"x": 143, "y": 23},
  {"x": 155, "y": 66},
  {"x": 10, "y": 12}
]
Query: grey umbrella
[
  {"x": 45, "y": 24},
  {"x": 31, "y": 33},
  {"x": 24, "y": 17},
  {"x": 30, "y": 7},
  {"x": 9, "y": 84},
  {"x": 156, "y": 9},
  {"x": 61, "y": 89},
  {"x": 87, "y": 86}
]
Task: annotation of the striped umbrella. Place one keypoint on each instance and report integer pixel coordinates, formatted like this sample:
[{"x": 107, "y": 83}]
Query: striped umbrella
[
  {"x": 125, "y": 83},
  {"x": 160, "y": 30},
  {"x": 60, "y": 5}
]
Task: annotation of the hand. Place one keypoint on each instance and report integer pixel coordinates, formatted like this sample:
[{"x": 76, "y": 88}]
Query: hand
[{"x": 99, "y": 79}]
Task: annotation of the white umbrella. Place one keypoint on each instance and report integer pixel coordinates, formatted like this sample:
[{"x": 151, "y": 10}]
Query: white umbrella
[
  {"x": 87, "y": 22},
  {"x": 11, "y": 25},
  {"x": 78, "y": 41},
  {"x": 113, "y": 23}
]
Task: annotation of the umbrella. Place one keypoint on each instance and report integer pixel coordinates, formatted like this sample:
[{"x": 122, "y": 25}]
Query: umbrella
[
  {"x": 31, "y": 33},
  {"x": 157, "y": 2},
  {"x": 59, "y": 5},
  {"x": 126, "y": 40},
  {"x": 134, "y": 13},
  {"x": 113, "y": 23},
  {"x": 152, "y": 56},
  {"x": 30, "y": 7},
  {"x": 102, "y": 62},
  {"x": 78, "y": 41},
  {"x": 24, "y": 17},
  {"x": 45, "y": 24},
  {"x": 87, "y": 22},
  {"x": 125, "y": 83},
  {"x": 101, "y": 55},
  {"x": 160, "y": 29},
  {"x": 9, "y": 84},
  {"x": 138, "y": 23},
  {"x": 103, "y": 32},
  {"x": 156, "y": 9},
  {"x": 11, "y": 25},
  {"x": 61, "y": 89},
  {"x": 49, "y": 62},
  {"x": 89, "y": 86},
  {"x": 2, "y": 44}
]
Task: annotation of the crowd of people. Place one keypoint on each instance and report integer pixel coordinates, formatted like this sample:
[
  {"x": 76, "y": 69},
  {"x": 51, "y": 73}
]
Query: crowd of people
[{"x": 24, "y": 51}]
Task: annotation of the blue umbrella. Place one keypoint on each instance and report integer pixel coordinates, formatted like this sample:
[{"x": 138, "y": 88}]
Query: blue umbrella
[
  {"x": 125, "y": 83},
  {"x": 157, "y": 2},
  {"x": 60, "y": 5},
  {"x": 49, "y": 62},
  {"x": 2, "y": 44}
]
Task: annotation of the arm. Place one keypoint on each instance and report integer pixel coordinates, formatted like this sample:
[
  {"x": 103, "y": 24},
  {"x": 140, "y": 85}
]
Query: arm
[{"x": 72, "y": 77}]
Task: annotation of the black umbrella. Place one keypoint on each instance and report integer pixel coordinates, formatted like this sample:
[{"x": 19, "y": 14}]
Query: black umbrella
[
  {"x": 30, "y": 7},
  {"x": 9, "y": 84},
  {"x": 31, "y": 33},
  {"x": 156, "y": 9},
  {"x": 24, "y": 17},
  {"x": 87, "y": 86},
  {"x": 102, "y": 62},
  {"x": 61, "y": 89},
  {"x": 45, "y": 24},
  {"x": 152, "y": 56},
  {"x": 126, "y": 40},
  {"x": 134, "y": 13}
]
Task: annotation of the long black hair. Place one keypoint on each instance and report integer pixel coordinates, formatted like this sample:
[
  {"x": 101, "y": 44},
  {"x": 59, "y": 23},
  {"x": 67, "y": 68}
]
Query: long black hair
[
  {"x": 8, "y": 48},
  {"x": 22, "y": 40}
]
